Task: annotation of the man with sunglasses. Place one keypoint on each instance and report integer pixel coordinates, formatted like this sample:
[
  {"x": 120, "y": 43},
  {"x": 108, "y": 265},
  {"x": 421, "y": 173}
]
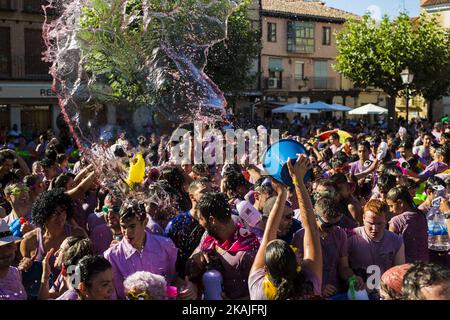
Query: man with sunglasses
[
  {"x": 288, "y": 225},
  {"x": 334, "y": 247},
  {"x": 17, "y": 196},
  {"x": 105, "y": 234}
]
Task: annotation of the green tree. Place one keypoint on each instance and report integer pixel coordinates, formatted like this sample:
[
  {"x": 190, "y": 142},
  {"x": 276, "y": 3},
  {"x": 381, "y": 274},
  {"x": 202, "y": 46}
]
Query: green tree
[
  {"x": 230, "y": 61},
  {"x": 374, "y": 54},
  {"x": 432, "y": 61}
]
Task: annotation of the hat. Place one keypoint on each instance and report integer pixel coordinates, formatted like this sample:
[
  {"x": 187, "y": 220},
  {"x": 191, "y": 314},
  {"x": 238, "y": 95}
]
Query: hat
[{"x": 6, "y": 235}]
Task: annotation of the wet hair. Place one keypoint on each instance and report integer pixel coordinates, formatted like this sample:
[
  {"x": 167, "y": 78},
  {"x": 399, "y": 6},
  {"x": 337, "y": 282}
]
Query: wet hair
[
  {"x": 78, "y": 248},
  {"x": 400, "y": 194},
  {"x": 392, "y": 169},
  {"x": 233, "y": 167},
  {"x": 376, "y": 206},
  {"x": 133, "y": 208},
  {"x": 326, "y": 207},
  {"x": 174, "y": 177},
  {"x": 198, "y": 182},
  {"x": 386, "y": 182},
  {"x": 268, "y": 206},
  {"x": 445, "y": 152},
  {"x": 259, "y": 186},
  {"x": 200, "y": 169},
  {"x": 214, "y": 204},
  {"x": 61, "y": 157},
  {"x": 62, "y": 180},
  {"x": 5, "y": 155},
  {"x": 47, "y": 163},
  {"x": 406, "y": 144},
  {"x": 234, "y": 180},
  {"x": 445, "y": 135},
  {"x": 338, "y": 179},
  {"x": 334, "y": 135},
  {"x": 46, "y": 204},
  {"x": 90, "y": 266},
  {"x": 51, "y": 154},
  {"x": 327, "y": 183},
  {"x": 365, "y": 144},
  {"x": 31, "y": 179},
  {"x": 421, "y": 275},
  {"x": 339, "y": 159},
  {"x": 282, "y": 269}
]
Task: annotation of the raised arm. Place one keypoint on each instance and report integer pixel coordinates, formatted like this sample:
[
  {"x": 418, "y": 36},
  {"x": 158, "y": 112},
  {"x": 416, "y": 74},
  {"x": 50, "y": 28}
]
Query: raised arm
[
  {"x": 311, "y": 242},
  {"x": 273, "y": 222},
  {"x": 82, "y": 187}
]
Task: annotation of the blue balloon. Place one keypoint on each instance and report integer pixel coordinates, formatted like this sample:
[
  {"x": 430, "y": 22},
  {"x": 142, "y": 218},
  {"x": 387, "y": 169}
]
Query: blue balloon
[{"x": 276, "y": 156}]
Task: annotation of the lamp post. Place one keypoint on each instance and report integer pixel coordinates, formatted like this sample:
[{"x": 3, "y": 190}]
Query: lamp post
[{"x": 407, "y": 79}]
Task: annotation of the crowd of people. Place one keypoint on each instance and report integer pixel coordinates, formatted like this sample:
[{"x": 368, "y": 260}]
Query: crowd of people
[{"x": 370, "y": 203}]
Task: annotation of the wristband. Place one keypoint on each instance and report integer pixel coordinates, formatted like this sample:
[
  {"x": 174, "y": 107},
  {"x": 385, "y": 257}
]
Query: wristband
[{"x": 295, "y": 181}]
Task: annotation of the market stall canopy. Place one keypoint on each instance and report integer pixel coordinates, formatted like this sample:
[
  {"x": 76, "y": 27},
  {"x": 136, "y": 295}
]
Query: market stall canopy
[
  {"x": 368, "y": 109},
  {"x": 293, "y": 108},
  {"x": 340, "y": 107}
]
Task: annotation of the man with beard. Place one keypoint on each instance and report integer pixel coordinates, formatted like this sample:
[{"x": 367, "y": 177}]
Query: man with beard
[
  {"x": 228, "y": 247},
  {"x": 184, "y": 229}
]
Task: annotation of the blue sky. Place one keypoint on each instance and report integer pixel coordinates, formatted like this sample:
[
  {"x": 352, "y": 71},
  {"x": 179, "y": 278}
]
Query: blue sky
[{"x": 378, "y": 7}]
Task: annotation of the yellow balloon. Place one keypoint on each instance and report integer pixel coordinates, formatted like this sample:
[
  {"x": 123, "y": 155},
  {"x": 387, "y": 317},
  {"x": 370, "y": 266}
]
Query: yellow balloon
[{"x": 136, "y": 172}]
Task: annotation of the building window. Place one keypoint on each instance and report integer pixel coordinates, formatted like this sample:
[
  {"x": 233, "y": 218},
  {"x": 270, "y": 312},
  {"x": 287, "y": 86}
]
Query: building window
[
  {"x": 34, "y": 6},
  {"x": 5, "y": 52},
  {"x": 299, "y": 70},
  {"x": 300, "y": 37},
  {"x": 34, "y": 46},
  {"x": 275, "y": 73},
  {"x": 326, "y": 36},
  {"x": 6, "y": 5},
  {"x": 321, "y": 80},
  {"x": 271, "y": 32}
]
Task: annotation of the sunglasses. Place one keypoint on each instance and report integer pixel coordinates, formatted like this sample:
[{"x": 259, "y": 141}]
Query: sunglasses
[
  {"x": 114, "y": 209},
  {"x": 17, "y": 191},
  {"x": 317, "y": 195},
  {"x": 324, "y": 224},
  {"x": 138, "y": 296}
]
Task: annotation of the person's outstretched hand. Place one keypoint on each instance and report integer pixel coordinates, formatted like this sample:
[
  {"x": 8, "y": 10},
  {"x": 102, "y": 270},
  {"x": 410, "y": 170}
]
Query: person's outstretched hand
[{"x": 300, "y": 168}]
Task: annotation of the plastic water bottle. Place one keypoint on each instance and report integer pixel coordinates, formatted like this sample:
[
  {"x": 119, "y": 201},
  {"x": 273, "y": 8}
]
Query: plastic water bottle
[
  {"x": 212, "y": 283},
  {"x": 249, "y": 213},
  {"x": 438, "y": 239}
]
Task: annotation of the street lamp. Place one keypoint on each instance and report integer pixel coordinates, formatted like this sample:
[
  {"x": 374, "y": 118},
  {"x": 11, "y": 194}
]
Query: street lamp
[{"x": 407, "y": 79}]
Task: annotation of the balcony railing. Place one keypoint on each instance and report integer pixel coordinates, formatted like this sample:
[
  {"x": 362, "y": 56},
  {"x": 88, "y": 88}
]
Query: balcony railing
[
  {"x": 295, "y": 84},
  {"x": 29, "y": 67}
]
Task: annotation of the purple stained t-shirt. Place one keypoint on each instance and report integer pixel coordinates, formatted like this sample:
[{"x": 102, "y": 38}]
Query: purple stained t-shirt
[
  {"x": 11, "y": 287},
  {"x": 413, "y": 227},
  {"x": 159, "y": 257},
  {"x": 95, "y": 219},
  {"x": 256, "y": 279},
  {"x": 70, "y": 294},
  {"x": 364, "y": 252},
  {"x": 433, "y": 168},
  {"x": 334, "y": 247}
]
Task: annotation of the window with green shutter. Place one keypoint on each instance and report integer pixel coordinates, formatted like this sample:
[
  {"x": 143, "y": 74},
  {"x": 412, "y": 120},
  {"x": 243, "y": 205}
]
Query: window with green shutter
[{"x": 300, "y": 36}]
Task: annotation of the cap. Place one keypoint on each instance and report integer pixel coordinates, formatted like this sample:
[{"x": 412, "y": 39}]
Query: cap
[{"x": 6, "y": 235}]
